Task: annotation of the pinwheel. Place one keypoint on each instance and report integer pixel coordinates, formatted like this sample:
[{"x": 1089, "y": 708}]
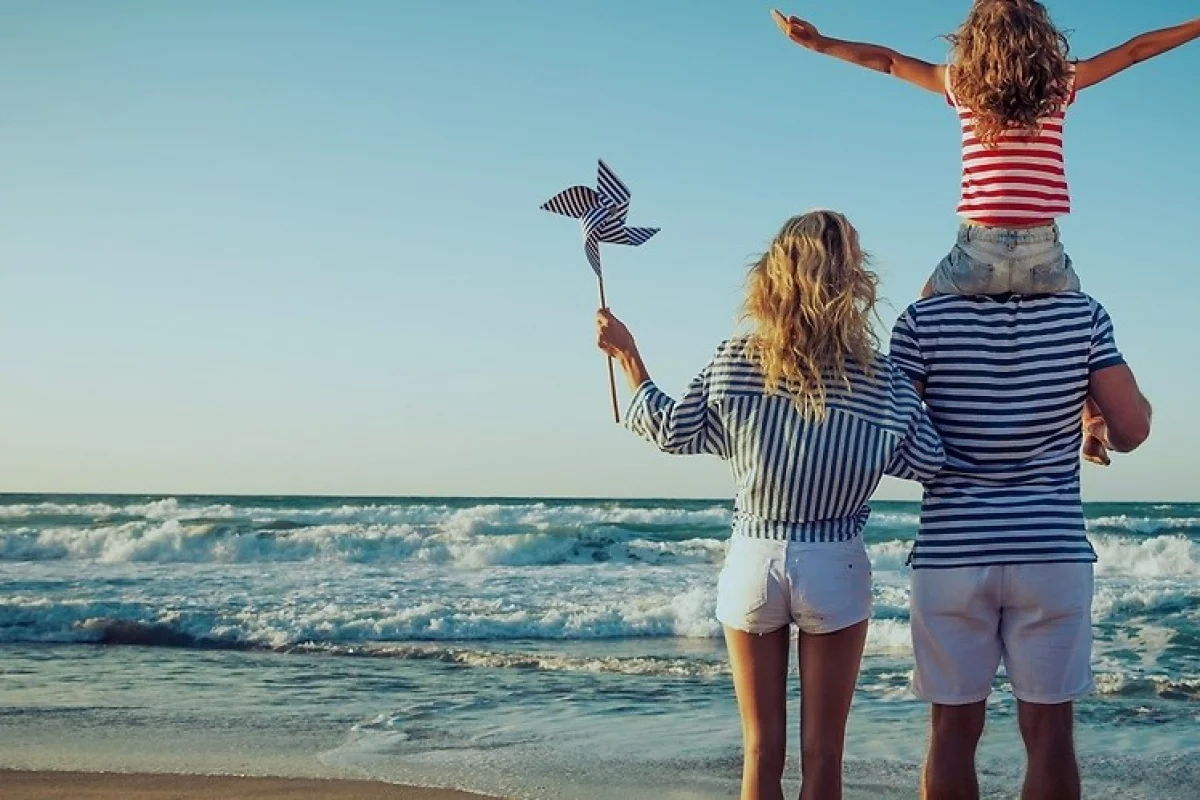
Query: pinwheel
[{"x": 601, "y": 213}]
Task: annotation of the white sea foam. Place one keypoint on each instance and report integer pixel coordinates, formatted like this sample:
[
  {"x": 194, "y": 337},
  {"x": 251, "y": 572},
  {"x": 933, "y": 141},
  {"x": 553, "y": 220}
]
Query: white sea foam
[
  {"x": 461, "y": 543},
  {"x": 47, "y": 509},
  {"x": 343, "y": 617},
  {"x": 664, "y": 666},
  {"x": 1144, "y": 525},
  {"x": 329, "y": 626},
  {"x": 1159, "y": 556},
  {"x": 897, "y": 519},
  {"x": 172, "y": 541},
  {"x": 1122, "y": 599},
  {"x": 479, "y": 517},
  {"x": 889, "y": 637},
  {"x": 889, "y": 556}
]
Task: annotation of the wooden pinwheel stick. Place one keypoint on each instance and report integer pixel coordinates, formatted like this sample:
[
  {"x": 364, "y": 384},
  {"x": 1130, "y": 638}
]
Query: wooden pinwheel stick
[{"x": 612, "y": 379}]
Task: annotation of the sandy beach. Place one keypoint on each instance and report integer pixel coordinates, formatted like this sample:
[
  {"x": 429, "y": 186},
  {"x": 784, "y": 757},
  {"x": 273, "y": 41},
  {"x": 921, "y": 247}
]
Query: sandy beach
[{"x": 114, "y": 786}]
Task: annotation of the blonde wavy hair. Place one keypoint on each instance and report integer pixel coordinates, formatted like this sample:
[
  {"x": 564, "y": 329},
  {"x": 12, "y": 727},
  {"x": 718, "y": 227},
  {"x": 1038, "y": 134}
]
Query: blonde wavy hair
[
  {"x": 1010, "y": 67},
  {"x": 811, "y": 298}
]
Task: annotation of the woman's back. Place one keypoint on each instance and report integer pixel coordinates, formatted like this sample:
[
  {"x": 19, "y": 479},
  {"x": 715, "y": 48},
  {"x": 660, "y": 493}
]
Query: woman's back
[{"x": 797, "y": 476}]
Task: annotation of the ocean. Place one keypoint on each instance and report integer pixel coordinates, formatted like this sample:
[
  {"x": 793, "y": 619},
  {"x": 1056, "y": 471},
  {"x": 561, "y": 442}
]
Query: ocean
[{"x": 529, "y": 648}]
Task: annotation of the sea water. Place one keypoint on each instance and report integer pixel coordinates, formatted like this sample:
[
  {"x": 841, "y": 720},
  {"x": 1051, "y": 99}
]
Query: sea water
[{"x": 528, "y": 648}]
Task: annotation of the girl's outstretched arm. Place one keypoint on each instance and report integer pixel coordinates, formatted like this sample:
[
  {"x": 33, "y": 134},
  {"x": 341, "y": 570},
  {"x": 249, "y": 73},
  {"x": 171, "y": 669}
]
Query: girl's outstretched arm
[
  {"x": 1135, "y": 51},
  {"x": 872, "y": 56}
]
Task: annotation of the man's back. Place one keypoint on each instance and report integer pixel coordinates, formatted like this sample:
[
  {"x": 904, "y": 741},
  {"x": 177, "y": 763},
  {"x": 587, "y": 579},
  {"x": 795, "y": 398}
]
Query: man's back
[{"x": 1005, "y": 380}]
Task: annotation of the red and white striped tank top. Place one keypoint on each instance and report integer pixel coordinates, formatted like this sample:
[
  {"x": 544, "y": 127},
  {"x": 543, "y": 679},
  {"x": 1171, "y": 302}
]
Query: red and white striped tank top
[{"x": 1021, "y": 180}]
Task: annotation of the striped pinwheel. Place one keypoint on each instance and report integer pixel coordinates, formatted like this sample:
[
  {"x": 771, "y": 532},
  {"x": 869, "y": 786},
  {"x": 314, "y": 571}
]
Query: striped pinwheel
[{"x": 601, "y": 212}]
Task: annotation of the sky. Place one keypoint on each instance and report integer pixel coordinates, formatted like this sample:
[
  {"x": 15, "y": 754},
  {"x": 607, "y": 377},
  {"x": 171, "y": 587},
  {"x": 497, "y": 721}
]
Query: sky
[{"x": 294, "y": 247}]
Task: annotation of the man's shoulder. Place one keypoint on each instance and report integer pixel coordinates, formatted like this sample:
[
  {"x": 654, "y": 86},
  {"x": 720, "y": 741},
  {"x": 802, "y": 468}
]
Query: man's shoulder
[{"x": 949, "y": 308}]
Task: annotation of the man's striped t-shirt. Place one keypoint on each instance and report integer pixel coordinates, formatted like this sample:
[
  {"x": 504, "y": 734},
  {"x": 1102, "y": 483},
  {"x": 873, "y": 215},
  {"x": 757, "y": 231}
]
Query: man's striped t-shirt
[
  {"x": 797, "y": 479},
  {"x": 1005, "y": 381}
]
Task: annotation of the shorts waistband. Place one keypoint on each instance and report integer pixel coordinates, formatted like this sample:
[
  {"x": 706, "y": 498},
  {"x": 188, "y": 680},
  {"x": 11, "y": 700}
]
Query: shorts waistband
[
  {"x": 1010, "y": 236},
  {"x": 827, "y": 530}
]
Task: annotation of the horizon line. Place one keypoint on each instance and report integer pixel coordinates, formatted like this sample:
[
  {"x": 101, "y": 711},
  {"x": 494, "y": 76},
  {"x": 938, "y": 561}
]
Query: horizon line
[{"x": 6, "y": 495}]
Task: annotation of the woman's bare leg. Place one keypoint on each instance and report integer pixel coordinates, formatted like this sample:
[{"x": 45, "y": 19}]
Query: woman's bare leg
[
  {"x": 760, "y": 680},
  {"x": 829, "y": 666}
]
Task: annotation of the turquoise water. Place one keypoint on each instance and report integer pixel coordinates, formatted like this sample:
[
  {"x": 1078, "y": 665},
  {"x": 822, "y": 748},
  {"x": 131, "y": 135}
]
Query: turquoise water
[{"x": 539, "y": 649}]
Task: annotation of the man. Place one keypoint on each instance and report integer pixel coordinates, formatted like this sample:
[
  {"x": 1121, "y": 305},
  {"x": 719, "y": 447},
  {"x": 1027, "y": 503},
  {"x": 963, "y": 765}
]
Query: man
[{"x": 1002, "y": 564}]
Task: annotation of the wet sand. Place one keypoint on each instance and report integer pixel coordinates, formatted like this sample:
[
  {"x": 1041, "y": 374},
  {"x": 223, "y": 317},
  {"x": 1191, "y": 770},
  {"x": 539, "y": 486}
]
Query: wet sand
[{"x": 118, "y": 786}]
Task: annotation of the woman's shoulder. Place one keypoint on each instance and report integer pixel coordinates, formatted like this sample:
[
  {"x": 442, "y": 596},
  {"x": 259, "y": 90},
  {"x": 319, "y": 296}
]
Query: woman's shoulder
[
  {"x": 880, "y": 373},
  {"x": 884, "y": 392},
  {"x": 733, "y": 369},
  {"x": 735, "y": 348}
]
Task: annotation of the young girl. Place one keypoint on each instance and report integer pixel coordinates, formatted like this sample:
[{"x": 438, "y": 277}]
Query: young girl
[{"x": 1011, "y": 83}]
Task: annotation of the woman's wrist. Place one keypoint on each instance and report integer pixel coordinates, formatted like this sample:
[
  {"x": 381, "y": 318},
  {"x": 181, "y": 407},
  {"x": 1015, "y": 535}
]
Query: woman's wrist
[{"x": 633, "y": 366}]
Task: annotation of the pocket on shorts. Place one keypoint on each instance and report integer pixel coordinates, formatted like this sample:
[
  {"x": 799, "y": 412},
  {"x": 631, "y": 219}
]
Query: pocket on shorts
[
  {"x": 836, "y": 587},
  {"x": 742, "y": 584},
  {"x": 961, "y": 273},
  {"x": 1052, "y": 277}
]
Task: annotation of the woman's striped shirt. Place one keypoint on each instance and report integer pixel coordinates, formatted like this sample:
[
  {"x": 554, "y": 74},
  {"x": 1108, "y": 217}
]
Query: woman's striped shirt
[
  {"x": 796, "y": 479},
  {"x": 1005, "y": 381}
]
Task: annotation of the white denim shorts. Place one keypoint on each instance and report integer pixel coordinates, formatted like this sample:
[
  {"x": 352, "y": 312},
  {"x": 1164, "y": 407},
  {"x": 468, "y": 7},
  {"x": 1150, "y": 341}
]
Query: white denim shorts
[
  {"x": 1003, "y": 260},
  {"x": 767, "y": 584},
  {"x": 1036, "y": 618}
]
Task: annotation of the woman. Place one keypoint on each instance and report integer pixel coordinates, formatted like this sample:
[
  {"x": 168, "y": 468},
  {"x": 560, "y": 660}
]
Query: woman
[{"x": 810, "y": 417}]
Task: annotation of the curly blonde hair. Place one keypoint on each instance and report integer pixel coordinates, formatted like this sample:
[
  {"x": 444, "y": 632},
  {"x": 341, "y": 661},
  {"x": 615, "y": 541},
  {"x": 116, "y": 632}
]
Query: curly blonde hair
[
  {"x": 1010, "y": 67},
  {"x": 811, "y": 299}
]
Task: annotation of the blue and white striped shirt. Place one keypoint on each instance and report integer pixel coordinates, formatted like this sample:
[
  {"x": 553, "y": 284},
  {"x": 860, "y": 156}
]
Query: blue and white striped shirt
[
  {"x": 797, "y": 479},
  {"x": 1005, "y": 381}
]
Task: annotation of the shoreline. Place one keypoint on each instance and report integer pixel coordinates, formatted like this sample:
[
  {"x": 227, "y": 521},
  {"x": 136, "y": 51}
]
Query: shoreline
[{"x": 52, "y": 784}]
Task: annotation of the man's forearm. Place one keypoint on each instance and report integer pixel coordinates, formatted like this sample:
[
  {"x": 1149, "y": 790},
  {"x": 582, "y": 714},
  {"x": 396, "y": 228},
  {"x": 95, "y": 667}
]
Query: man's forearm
[{"x": 1123, "y": 441}]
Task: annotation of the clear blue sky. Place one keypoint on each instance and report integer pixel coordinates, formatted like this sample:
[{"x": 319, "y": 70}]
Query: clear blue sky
[{"x": 296, "y": 247}]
